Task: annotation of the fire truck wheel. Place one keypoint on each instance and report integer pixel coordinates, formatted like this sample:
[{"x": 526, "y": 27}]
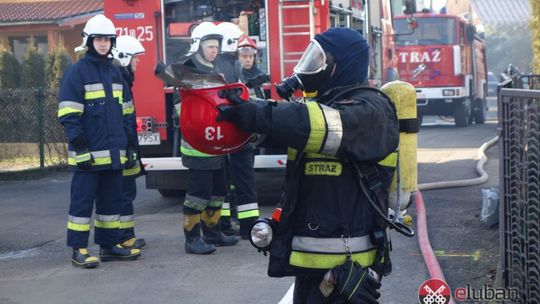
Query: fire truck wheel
[
  {"x": 480, "y": 111},
  {"x": 461, "y": 114},
  {"x": 172, "y": 192}
]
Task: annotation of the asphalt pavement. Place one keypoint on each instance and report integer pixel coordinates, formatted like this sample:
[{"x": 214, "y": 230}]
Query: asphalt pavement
[{"x": 35, "y": 266}]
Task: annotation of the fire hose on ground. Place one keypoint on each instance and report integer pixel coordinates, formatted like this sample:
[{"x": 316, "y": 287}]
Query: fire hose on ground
[{"x": 430, "y": 259}]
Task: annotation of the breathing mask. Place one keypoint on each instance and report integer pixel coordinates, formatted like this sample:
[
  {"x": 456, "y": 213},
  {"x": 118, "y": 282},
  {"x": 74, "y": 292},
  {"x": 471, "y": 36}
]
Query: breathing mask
[{"x": 314, "y": 68}]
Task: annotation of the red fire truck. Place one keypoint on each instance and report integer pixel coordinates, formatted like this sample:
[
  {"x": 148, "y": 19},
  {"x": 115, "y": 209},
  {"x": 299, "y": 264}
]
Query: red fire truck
[
  {"x": 282, "y": 30},
  {"x": 444, "y": 58}
]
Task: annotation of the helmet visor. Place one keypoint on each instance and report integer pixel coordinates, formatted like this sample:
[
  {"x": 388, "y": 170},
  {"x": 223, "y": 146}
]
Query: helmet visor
[
  {"x": 313, "y": 60},
  {"x": 102, "y": 35},
  {"x": 247, "y": 50}
]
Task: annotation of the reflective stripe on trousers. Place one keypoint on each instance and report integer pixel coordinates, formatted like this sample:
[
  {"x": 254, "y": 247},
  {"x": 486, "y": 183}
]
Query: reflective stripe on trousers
[
  {"x": 226, "y": 209},
  {"x": 76, "y": 223},
  {"x": 127, "y": 221},
  {"x": 248, "y": 210},
  {"x": 107, "y": 221},
  {"x": 326, "y": 253}
]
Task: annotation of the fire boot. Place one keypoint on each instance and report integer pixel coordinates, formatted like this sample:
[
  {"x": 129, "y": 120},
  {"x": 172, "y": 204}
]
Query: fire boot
[
  {"x": 230, "y": 226},
  {"x": 81, "y": 258},
  {"x": 134, "y": 243},
  {"x": 194, "y": 242},
  {"x": 245, "y": 227},
  {"x": 118, "y": 253},
  {"x": 212, "y": 229}
]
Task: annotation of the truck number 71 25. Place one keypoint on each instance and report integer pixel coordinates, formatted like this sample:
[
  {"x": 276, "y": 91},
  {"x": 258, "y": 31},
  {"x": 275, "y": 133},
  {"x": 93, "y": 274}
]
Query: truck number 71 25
[{"x": 143, "y": 33}]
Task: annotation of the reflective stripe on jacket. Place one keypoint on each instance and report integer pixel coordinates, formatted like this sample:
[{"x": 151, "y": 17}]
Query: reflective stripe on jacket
[{"x": 97, "y": 112}]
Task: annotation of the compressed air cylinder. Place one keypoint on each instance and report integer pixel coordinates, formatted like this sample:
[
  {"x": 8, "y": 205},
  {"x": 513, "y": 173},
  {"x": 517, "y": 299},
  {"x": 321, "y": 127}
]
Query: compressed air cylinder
[{"x": 403, "y": 95}]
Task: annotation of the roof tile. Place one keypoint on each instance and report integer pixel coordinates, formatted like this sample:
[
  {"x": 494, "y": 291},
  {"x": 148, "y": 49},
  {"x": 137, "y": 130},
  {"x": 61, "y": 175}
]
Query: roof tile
[{"x": 46, "y": 10}]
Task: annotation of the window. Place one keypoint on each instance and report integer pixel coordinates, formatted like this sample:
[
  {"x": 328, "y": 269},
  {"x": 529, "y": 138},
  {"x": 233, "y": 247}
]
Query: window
[
  {"x": 20, "y": 44},
  {"x": 429, "y": 31}
]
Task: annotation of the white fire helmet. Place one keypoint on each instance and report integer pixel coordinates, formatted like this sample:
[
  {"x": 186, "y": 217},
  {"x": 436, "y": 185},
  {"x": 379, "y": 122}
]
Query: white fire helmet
[
  {"x": 127, "y": 47},
  {"x": 203, "y": 31},
  {"x": 231, "y": 34},
  {"x": 97, "y": 26}
]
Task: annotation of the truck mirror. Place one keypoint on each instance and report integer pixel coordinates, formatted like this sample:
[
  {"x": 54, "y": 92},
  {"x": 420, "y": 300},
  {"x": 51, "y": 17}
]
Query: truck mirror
[
  {"x": 410, "y": 7},
  {"x": 471, "y": 30}
]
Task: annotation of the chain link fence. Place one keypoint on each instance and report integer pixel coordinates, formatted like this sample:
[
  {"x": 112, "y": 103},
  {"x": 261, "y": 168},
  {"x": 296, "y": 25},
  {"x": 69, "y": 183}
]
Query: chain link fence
[
  {"x": 30, "y": 134},
  {"x": 519, "y": 156}
]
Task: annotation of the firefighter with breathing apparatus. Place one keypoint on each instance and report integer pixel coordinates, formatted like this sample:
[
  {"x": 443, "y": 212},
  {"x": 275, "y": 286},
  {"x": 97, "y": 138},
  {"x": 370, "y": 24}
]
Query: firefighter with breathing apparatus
[{"x": 331, "y": 234}]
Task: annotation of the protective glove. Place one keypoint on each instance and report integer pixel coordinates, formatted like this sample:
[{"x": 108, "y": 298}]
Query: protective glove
[
  {"x": 131, "y": 154},
  {"x": 84, "y": 159},
  {"x": 357, "y": 284},
  {"x": 257, "y": 81},
  {"x": 243, "y": 116},
  {"x": 242, "y": 113}
]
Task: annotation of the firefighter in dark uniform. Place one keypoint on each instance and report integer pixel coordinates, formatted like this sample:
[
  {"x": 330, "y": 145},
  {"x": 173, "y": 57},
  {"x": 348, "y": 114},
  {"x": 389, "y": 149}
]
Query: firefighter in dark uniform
[
  {"x": 341, "y": 154},
  {"x": 251, "y": 75},
  {"x": 206, "y": 185},
  {"x": 97, "y": 114},
  {"x": 241, "y": 174},
  {"x": 126, "y": 54}
]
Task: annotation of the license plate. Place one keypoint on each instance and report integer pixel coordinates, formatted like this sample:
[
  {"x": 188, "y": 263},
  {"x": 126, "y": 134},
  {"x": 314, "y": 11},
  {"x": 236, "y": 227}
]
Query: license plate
[{"x": 146, "y": 139}]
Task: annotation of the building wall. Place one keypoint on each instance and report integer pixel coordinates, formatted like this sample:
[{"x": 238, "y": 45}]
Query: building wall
[
  {"x": 55, "y": 36},
  {"x": 72, "y": 39}
]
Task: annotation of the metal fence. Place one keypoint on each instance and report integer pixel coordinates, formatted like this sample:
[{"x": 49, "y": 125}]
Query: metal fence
[
  {"x": 30, "y": 135},
  {"x": 519, "y": 157}
]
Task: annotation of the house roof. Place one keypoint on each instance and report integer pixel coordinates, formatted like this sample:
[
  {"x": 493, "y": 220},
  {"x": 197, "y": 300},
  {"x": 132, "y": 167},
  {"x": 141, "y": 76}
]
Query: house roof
[
  {"x": 28, "y": 12},
  {"x": 502, "y": 12}
]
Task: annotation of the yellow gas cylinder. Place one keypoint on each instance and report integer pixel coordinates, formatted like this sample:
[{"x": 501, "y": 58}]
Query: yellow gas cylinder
[{"x": 403, "y": 95}]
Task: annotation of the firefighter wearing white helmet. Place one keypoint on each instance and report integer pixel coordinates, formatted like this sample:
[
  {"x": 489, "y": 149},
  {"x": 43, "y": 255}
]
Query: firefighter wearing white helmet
[
  {"x": 97, "y": 26},
  {"x": 126, "y": 49},
  {"x": 241, "y": 174},
  {"x": 227, "y": 62},
  {"x": 126, "y": 53},
  {"x": 97, "y": 113},
  {"x": 202, "y": 32},
  {"x": 231, "y": 35},
  {"x": 206, "y": 184}
]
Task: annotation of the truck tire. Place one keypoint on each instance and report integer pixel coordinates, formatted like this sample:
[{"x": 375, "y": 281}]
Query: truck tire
[
  {"x": 172, "y": 192},
  {"x": 480, "y": 111},
  {"x": 461, "y": 114}
]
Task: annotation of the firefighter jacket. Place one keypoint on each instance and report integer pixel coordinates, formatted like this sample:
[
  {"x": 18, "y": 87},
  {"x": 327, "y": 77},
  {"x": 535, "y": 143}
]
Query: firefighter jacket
[
  {"x": 323, "y": 205},
  {"x": 192, "y": 158},
  {"x": 97, "y": 113},
  {"x": 249, "y": 74},
  {"x": 129, "y": 78},
  {"x": 229, "y": 67}
]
